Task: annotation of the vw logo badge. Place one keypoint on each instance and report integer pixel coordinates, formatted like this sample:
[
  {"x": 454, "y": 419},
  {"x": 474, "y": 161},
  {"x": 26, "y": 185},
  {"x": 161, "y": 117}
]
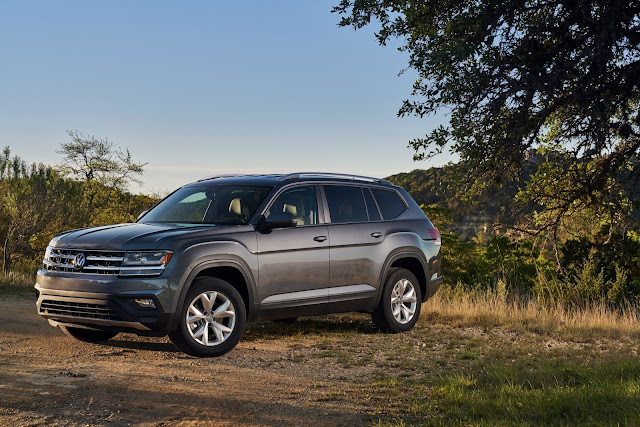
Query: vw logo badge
[{"x": 78, "y": 261}]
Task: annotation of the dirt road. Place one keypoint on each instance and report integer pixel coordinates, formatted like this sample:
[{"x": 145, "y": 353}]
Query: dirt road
[{"x": 47, "y": 378}]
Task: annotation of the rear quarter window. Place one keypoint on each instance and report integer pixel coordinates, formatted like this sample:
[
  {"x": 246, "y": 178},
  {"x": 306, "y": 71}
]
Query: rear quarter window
[{"x": 390, "y": 204}]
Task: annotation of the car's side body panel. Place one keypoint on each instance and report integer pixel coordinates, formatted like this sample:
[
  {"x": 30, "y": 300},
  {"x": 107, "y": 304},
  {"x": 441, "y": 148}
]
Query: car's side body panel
[
  {"x": 357, "y": 258},
  {"x": 294, "y": 269}
]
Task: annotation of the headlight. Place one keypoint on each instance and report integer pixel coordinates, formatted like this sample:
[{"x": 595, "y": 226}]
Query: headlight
[{"x": 151, "y": 263}]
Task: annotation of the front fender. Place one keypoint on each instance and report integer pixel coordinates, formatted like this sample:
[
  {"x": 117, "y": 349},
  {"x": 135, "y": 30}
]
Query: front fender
[{"x": 200, "y": 257}]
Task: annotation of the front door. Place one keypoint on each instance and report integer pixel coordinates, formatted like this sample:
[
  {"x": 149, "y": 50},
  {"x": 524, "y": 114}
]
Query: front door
[{"x": 294, "y": 262}]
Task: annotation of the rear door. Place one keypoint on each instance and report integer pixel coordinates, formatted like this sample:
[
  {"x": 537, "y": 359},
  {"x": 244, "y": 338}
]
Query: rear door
[{"x": 359, "y": 246}]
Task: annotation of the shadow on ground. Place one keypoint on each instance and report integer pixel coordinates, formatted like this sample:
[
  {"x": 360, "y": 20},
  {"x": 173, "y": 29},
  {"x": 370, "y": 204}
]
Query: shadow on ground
[
  {"x": 312, "y": 326},
  {"x": 141, "y": 345}
]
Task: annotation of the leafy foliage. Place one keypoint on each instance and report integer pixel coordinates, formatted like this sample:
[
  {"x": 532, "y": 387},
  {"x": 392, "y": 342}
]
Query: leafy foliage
[
  {"x": 442, "y": 187},
  {"x": 591, "y": 271},
  {"x": 37, "y": 202},
  {"x": 564, "y": 74}
]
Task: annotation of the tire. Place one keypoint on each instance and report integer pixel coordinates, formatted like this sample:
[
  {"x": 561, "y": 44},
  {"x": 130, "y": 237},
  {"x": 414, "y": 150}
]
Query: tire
[
  {"x": 88, "y": 335},
  {"x": 406, "y": 309},
  {"x": 212, "y": 319}
]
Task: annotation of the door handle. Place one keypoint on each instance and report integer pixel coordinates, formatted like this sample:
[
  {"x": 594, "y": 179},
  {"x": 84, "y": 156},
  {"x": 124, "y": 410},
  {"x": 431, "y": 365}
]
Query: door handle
[
  {"x": 320, "y": 238},
  {"x": 376, "y": 234}
]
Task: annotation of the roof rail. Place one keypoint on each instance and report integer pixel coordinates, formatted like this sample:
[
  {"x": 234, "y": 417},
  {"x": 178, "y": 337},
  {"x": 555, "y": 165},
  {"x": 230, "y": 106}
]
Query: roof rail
[
  {"x": 228, "y": 175},
  {"x": 296, "y": 175}
]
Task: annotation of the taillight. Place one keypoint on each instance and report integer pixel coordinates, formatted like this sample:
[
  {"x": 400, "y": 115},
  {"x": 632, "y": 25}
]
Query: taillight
[{"x": 435, "y": 235}]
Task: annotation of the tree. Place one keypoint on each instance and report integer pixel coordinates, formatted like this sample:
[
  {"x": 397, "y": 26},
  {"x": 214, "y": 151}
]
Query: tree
[
  {"x": 92, "y": 159},
  {"x": 37, "y": 202},
  {"x": 34, "y": 205},
  {"x": 559, "y": 74}
]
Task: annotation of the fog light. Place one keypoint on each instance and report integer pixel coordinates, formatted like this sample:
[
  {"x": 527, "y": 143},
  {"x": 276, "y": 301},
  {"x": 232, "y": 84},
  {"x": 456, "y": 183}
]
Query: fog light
[{"x": 145, "y": 302}]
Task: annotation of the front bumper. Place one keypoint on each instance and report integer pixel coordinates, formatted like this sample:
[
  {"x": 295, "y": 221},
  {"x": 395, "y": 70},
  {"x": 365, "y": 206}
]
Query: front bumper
[{"x": 103, "y": 302}]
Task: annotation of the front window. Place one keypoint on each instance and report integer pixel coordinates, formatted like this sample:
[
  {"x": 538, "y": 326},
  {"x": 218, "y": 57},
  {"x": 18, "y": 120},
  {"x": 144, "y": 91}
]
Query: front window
[
  {"x": 301, "y": 202},
  {"x": 209, "y": 204}
]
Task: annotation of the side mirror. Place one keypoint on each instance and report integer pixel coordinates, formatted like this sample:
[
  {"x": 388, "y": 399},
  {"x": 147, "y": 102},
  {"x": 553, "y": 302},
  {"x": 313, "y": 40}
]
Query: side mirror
[
  {"x": 143, "y": 213},
  {"x": 277, "y": 220}
]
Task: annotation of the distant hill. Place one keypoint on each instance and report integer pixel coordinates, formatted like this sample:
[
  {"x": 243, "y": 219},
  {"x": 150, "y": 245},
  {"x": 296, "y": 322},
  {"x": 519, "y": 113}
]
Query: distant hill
[{"x": 442, "y": 186}]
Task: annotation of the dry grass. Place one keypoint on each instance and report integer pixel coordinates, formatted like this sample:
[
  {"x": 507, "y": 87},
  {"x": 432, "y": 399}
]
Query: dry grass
[
  {"x": 497, "y": 359},
  {"x": 490, "y": 309},
  {"x": 475, "y": 358},
  {"x": 15, "y": 282}
]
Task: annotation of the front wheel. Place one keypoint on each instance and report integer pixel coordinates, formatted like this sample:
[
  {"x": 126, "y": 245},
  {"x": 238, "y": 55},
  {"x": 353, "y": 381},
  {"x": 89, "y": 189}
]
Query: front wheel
[
  {"x": 211, "y": 320},
  {"x": 88, "y": 335},
  {"x": 399, "y": 306}
]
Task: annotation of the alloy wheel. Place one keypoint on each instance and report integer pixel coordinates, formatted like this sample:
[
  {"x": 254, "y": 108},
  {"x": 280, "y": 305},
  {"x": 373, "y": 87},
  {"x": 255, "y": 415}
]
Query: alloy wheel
[
  {"x": 403, "y": 301},
  {"x": 211, "y": 318}
]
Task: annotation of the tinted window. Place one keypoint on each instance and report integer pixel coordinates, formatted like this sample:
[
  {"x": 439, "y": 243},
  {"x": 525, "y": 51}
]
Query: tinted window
[
  {"x": 209, "y": 204},
  {"x": 374, "y": 215},
  {"x": 301, "y": 202},
  {"x": 346, "y": 204},
  {"x": 391, "y": 205}
]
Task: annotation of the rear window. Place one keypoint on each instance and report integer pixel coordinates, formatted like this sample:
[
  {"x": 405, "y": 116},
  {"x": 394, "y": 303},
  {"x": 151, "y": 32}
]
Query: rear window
[
  {"x": 346, "y": 204},
  {"x": 390, "y": 204}
]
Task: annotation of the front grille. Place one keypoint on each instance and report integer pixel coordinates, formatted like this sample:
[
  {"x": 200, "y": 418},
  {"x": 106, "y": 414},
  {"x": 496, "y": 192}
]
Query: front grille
[
  {"x": 77, "y": 309},
  {"x": 97, "y": 262}
]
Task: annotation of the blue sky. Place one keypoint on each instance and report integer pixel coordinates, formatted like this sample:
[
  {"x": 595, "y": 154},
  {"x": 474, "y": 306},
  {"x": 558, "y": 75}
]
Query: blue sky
[{"x": 202, "y": 87}]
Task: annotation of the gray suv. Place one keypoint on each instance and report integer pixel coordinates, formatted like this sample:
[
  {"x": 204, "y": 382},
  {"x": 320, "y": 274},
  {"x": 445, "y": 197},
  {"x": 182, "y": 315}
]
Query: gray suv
[{"x": 227, "y": 250}]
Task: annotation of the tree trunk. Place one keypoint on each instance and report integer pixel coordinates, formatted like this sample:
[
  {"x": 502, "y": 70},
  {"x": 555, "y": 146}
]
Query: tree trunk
[{"x": 5, "y": 257}]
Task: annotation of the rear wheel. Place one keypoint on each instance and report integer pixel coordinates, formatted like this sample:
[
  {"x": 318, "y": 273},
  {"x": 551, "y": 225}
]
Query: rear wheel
[
  {"x": 211, "y": 320},
  {"x": 88, "y": 335},
  {"x": 399, "y": 307}
]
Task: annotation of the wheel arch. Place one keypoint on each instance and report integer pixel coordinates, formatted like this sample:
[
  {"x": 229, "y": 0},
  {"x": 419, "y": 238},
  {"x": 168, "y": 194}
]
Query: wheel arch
[
  {"x": 232, "y": 271},
  {"x": 410, "y": 260}
]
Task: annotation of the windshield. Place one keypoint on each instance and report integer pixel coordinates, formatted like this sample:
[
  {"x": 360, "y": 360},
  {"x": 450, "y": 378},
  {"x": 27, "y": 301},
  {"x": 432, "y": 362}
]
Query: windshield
[{"x": 209, "y": 204}]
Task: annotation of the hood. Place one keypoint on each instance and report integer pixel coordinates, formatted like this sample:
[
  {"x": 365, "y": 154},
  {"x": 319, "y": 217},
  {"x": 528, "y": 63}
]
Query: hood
[{"x": 130, "y": 236}]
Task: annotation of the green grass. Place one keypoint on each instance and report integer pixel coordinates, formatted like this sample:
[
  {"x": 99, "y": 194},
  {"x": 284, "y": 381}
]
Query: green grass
[
  {"x": 469, "y": 364},
  {"x": 468, "y": 355},
  {"x": 564, "y": 393},
  {"x": 552, "y": 393}
]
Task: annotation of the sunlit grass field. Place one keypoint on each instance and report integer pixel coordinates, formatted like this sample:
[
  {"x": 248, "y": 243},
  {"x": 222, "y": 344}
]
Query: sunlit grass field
[
  {"x": 474, "y": 358},
  {"x": 480, "y": 358},
  {"x": 487, "y": 308},
  {"x": 563, "y": 367}
]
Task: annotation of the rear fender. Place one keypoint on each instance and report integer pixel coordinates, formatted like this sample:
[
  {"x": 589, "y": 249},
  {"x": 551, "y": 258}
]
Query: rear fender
[{"x": 399, "y": 253}]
